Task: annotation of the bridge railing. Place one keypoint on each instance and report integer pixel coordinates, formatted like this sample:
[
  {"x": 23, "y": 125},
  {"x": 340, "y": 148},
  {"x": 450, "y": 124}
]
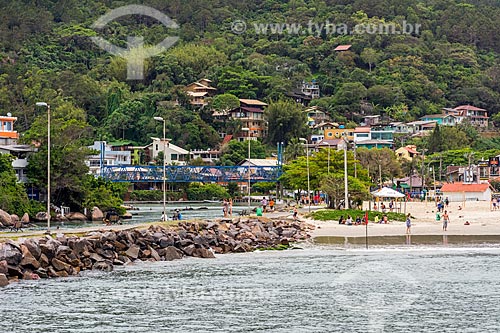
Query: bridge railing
[{"x": 185, "y": 174}]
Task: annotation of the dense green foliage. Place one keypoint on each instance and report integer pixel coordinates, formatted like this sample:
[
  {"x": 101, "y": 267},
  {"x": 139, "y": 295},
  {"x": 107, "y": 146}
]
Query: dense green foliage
[
  {"x": 197, "y": 191},
  {"x": 334, "y": 215},
  {"x": 330, "y": 180},
  {"x": 46, "y": 54},
  {"x": 104, "y": 194},
  {"x": 13, "y": 198}
]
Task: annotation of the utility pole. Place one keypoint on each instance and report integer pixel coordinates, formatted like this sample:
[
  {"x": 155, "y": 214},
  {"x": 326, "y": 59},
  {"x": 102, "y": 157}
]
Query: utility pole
[
  {"x": 423, "y": 169},
  {"x": 346, "y": 193},
  {"x": 380, "y": 175},
  {"x": 355, "y": 164},
  {"x": 440, "y": 165}
]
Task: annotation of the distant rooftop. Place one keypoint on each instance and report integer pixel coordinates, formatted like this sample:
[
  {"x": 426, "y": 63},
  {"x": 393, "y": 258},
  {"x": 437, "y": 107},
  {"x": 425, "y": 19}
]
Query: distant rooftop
[
  {"x": 342, "y": 47},
  {"x": 252, "y": 102}
]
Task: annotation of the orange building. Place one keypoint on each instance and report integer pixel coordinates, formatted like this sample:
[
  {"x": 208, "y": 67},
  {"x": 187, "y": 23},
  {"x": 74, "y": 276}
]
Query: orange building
[
  {"x": 337, "y": 133},
  {"x": 7, "y": 134}
]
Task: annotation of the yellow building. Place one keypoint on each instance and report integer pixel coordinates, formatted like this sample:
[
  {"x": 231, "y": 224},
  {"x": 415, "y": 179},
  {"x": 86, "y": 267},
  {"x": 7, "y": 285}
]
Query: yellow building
[
  {"x": 337, "y": 133},
  {"x": 407, "y": 153}
]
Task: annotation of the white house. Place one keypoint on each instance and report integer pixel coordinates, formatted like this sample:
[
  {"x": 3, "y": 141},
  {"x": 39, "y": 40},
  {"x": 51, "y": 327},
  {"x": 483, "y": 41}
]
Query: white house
[
  {"x": 106, "y": 156},
  {"x": 362, "y": 134},
  {"x": 174, "y": 155},
  {"x": 20, "y": 162},
  {"x": 457, "y": 192}
]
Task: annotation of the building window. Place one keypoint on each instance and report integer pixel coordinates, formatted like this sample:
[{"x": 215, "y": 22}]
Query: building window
[{"x": 173, "y": 157}]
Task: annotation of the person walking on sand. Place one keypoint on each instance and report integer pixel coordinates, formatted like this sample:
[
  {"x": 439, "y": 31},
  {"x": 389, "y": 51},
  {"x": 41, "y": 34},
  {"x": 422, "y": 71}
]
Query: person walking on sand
[
  {"x": 225, "y": 207},
  {"x": 446, "y": 220},
  {"x": 295, "y": 213},
  {"x": 408, "y": 224}
]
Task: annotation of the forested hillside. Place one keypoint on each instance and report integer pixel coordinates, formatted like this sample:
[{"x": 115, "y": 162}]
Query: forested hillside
[{"x": 46, "y": 55}]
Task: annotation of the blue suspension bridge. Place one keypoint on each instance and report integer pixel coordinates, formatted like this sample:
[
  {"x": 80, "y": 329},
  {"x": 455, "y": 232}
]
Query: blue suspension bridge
[{"x": 186, "y": 174}]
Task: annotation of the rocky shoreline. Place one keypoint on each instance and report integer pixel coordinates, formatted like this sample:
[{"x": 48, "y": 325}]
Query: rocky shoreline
[{"x": 62, "y": 256}]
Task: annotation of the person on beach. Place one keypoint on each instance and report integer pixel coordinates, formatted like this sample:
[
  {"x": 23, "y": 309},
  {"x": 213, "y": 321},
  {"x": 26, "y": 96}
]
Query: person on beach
[
  {"x": 341, "y": 219},
  {"x": 224, "y": 207},
  {"x": 349, "y": 220},
  {"x": 271, "y": 205},
  {"x": 376, "y": 219},
  {"x": 295, "y": 213},
  {"x": 230, "y": 207},
  {"x": 446, "y": 202},
  {"x": 408, "y": 224},
  {"x": 446, "y": 220},
  {"x": 264, "y": 204},
  {"x": 358, "y": 220}
]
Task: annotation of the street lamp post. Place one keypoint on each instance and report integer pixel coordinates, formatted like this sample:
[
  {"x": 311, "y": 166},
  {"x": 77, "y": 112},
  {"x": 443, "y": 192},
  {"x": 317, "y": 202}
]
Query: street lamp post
[
  {"x": 48, "y": 162},
  {"x": 247, "y": 129},
  {"x": 164, "y": 217},
  {"x": 308, "y": 176},
  {"x": 346, "y": 190},
  {"x": 328, "y": 157}
]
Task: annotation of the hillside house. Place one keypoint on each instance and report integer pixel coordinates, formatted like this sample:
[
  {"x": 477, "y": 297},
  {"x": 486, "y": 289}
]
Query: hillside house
[
  {"x": 199, "y": 92},
  {"x": 251, "y": 114}
]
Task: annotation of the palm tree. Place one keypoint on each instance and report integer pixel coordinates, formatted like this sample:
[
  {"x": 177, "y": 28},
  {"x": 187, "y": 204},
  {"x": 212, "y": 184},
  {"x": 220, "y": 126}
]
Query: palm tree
[{"x": 294, "y": 149}]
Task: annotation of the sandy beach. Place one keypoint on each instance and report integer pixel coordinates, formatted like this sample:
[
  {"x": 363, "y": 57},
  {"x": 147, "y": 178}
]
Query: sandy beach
[{"x": 482, "y": 221}]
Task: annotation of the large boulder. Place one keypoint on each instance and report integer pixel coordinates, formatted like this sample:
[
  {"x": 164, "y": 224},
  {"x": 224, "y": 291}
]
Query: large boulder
[
  {"x": 3, "y": 280},
  {"x": 41, "y": 216},
  {"x": 97, "y": 214},
  {"x": 33, "y": 247},
  {"x": 10, "y": 253},
  {"x": 5, "y": 218},
  {"x": 170, "y": 253},
  {"x": 76, "y": 216},
  {"x": 133, "y": 252},
  {"x": 126, "y": 216},
  {"x": 14, "y": 218},
  {"x": 3, "y": 267},
  {"x": 25, "y": 219},
  {"x": 59, "y": 265},
  {"x": 28, "y": 258}
]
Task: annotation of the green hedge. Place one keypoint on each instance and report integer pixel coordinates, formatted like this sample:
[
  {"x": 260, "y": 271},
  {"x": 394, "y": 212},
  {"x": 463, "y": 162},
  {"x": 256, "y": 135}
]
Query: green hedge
[
  {"x": 334, "y": 215},
  {"x": 197, "y": 191}
]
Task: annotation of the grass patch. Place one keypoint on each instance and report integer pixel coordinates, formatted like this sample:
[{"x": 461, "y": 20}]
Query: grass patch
[
  {"x": 279, "y": 247},
  {"x": 334, "y": 215}
]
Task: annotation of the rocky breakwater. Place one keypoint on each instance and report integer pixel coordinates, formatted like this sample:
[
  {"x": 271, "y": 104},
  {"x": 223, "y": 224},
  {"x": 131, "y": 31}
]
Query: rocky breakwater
[{"x": 69, "y": 255}]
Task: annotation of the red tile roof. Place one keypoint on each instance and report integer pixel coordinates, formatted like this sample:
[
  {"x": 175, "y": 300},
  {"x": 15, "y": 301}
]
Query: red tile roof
[
  {"x": 342, "y": 47},
  {"x": 362, "y": 130},
  {"x": 459, "y": 187},
  {"x": 226, "y": 139},
  {"x": 411, "y": 150}
]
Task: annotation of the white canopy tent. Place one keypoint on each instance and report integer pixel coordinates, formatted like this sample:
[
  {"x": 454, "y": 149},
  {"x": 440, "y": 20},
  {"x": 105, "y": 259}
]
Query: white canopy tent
[{"x": 386, "y": 192}]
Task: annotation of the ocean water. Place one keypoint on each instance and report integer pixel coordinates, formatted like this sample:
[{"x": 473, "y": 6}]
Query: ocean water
[{"x": 315, "y": 289}]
